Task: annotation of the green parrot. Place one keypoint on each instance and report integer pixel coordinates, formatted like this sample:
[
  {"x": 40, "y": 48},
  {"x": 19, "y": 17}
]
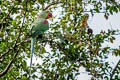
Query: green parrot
[{"x": 39, "y": 26}]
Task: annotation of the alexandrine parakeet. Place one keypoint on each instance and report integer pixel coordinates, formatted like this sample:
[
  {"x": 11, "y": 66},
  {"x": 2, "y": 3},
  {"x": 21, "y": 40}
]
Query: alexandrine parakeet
[{"x": 39, "y": 26}]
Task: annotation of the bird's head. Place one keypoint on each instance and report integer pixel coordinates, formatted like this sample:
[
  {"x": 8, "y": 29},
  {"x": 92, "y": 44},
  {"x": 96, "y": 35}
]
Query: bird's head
[{"x": 45, "y": 15}]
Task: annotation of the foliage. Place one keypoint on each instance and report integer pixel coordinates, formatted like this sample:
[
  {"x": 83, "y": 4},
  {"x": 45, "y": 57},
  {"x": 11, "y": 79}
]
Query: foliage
[{"x": 71, "y": 40}]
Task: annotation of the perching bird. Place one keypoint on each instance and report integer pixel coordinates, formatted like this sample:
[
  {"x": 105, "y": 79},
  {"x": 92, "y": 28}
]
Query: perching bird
[{"x": 39, "y": 26}]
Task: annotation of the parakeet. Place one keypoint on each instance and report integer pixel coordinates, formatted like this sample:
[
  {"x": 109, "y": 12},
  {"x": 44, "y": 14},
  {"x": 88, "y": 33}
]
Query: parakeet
[{"x": 39, "y": 26}]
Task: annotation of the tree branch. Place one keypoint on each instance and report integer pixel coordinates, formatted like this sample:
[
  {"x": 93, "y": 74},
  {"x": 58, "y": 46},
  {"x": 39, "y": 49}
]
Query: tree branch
[
  {"x": 2, "y": 55},
  {"x": 113, "y": 72},
  {"x": 9, "y": 65},
  {"x": 15, "y": 42},
  {"x": 53, "y": 3},
  {"x": 18, "y": 35},
  {"x": 10, "y": 49},
  {"x": 14, "y": 48},
  {"x": 1, "y": 31},
  {"x": 6, "y": 17}
]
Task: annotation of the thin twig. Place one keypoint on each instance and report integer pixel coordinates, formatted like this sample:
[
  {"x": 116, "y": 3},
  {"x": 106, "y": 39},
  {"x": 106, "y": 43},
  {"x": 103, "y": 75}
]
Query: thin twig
[
  {"x": 10, "y": 49},
  {"x": 25, "y": 41},
  {"x": 113, "y": 72},
  {"x": 53, "y": 3},
  {"x": 20, "y": 29},
  {"x": 6, "y": 17},
  {"x": 4, "y": 53}
]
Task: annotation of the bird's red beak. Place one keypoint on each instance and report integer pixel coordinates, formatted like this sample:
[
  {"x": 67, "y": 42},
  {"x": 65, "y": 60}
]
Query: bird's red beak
[{"x": 49, "y": 15}]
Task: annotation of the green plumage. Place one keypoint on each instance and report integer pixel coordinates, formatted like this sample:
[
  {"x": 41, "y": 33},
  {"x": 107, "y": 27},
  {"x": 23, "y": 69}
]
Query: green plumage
[{"x": 39, "y": 26}]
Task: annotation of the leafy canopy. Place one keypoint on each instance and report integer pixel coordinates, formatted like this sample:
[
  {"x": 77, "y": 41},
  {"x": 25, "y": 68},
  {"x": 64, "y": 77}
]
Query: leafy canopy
[{"x": 70, "y": 39}]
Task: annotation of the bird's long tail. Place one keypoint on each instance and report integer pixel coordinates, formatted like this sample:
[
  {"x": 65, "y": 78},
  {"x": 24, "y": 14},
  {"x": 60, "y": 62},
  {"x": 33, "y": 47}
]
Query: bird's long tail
[{"x": 32, "y": 51}]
